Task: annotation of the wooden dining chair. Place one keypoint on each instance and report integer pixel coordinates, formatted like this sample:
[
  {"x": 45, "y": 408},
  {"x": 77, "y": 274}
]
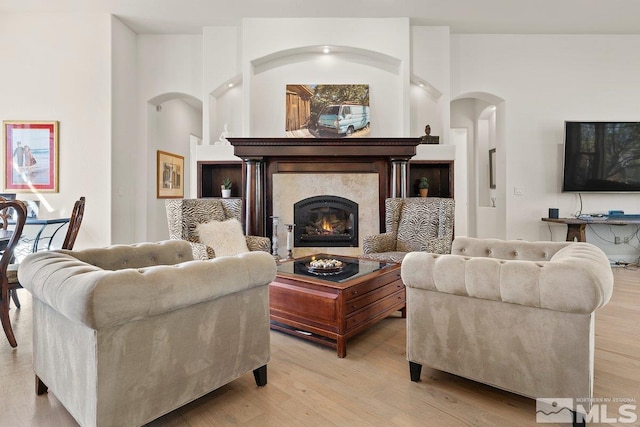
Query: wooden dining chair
[
  {"x": 74, "y": 224},
  {"x": 8, "y": 241},
  {"x": 69, "y": 240}
]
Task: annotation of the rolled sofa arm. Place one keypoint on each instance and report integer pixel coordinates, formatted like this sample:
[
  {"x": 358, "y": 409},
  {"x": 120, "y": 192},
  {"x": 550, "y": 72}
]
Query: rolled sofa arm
[
  {"x": 100, "y": 298},
  {"x": 576, "y": 279}
]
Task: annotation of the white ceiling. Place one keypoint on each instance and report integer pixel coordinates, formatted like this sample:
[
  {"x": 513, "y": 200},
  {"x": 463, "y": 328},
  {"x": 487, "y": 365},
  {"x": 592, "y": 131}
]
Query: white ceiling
[{"x": 462, "y": 16}]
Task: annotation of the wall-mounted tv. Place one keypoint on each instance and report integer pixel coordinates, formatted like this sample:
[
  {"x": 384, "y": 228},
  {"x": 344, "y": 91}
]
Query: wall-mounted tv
[{"x": 601, "y": 157}]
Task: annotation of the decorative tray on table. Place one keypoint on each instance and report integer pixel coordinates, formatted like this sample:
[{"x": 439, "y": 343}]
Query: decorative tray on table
[{"x": 325, "y": 267}]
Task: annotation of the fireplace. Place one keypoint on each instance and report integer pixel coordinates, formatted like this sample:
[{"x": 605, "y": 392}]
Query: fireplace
[
  {"x": 326, "y": 221},
  {"x": 266, "y": 159}
]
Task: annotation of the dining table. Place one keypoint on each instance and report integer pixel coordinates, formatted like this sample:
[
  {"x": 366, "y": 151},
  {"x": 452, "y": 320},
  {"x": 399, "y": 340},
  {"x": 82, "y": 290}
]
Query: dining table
[
  {"x": 5, "y": 236},
  {"x": 47, "y": 231}
]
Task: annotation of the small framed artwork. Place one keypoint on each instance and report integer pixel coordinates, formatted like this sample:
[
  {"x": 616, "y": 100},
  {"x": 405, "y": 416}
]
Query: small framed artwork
[
  {"x": 492, "y": 168},
  {"x": 170, "y": 176},
  {"x": 30, "y": 156}
]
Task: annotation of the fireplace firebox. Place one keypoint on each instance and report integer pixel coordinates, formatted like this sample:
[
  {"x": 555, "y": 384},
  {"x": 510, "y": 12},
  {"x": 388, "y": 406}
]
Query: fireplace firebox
[{"x": 325, "y": 221}]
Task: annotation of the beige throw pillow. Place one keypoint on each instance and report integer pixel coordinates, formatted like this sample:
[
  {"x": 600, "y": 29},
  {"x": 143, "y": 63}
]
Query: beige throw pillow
[{"x": 226, "y": 238}]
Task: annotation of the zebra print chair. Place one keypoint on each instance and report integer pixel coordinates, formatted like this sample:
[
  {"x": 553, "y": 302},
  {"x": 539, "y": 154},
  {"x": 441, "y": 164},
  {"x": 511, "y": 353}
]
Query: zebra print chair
[
  {"x": 413, "y": 224},
  {"x": 184, "y": 215}
]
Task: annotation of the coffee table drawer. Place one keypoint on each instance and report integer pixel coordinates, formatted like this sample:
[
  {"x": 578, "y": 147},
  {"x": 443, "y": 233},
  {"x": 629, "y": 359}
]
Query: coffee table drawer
[
  {"x": 298, "y": 302},
  {"x": 383, "y": 307},
  {"x": 356, "y": 304},
  {"x": 370, "y": 285}
]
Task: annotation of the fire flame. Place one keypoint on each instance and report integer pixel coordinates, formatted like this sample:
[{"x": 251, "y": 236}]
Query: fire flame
[{"x": 325, "y": 225}]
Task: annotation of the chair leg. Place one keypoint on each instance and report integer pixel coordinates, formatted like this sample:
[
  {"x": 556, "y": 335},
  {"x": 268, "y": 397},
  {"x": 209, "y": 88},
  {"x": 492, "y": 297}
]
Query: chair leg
[
  {"x": 41, "y": 388},
  {"x": 6, "y": 322},
  {"x": 14, "y": 297},
  {"x": 260, "y": 375}
]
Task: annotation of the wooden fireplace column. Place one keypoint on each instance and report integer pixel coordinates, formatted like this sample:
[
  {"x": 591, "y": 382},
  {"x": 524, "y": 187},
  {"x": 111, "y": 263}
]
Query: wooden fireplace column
[{"x": 264, "y": 157}]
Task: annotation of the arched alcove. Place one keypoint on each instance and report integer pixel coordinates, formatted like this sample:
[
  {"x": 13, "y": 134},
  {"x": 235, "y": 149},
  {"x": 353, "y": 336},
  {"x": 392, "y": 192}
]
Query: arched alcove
[
  {"x": 266, "y": 77},
  {"x": 225, "y": 110},
  {"x": 426, "y": 108},
  {"x": 346, "y": 53}
]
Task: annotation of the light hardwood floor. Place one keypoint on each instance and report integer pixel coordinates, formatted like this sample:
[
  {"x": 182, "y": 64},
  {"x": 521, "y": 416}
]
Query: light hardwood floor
[{"x": 309, "y": 386}]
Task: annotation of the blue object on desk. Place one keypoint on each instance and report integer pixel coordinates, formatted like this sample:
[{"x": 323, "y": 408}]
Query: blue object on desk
[{"x": 625, "y": 216}]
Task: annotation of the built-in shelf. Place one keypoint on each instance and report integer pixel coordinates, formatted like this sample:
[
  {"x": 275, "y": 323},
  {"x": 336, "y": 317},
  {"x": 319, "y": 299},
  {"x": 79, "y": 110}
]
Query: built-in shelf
[
  {"x": 439, "y": 173},
  {"x": 212, "y": 173}
]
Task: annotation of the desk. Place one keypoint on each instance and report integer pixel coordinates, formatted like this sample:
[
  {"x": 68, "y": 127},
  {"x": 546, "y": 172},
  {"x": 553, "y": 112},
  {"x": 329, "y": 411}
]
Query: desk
[{"x": 576, "y": 228}]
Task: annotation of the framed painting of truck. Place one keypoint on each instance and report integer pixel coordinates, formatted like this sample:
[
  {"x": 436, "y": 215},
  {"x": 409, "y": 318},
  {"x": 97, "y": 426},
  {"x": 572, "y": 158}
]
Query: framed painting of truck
[{"x": 327, "y": 110}]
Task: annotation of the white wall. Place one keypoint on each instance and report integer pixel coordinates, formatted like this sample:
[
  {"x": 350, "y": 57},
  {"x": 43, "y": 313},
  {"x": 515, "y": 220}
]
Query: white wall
[
  {"x": 57, "y": 67},
  {"x": 221, "y": 65},
  {"x": 431, "y": 64},
  {"x": 545, "y": 80},
  {"x": 462, "y": 117},
  {"x": 458, "y": 139},
  {"x": 169, "y": 67},
  {"x": 125, "y": 187}
]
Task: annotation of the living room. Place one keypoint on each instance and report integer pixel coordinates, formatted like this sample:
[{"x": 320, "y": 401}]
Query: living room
[
  {"x": 124, "y": 76},
  {"x": 104, "y": 77}
]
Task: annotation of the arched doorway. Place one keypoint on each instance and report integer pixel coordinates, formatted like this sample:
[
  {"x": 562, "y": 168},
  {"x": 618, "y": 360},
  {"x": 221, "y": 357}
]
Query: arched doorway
[
  {"x": 172, "y": 120},
  {"x": 482, "y": 114}
]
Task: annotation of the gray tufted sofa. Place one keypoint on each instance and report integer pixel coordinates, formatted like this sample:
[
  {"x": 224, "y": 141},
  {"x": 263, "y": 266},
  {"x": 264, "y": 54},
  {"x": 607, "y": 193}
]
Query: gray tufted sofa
[
  {"x": 127, "y": 333},
  {"x": 512, "y": 314}
]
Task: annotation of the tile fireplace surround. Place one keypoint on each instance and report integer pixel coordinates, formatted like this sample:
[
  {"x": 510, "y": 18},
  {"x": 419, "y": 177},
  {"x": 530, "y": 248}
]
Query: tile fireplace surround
[
  {"x": 292, "y": 187},
  {"x": 280, "y": 171}
]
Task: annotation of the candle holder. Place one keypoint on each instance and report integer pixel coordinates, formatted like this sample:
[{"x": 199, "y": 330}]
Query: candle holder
[
  {"x": 274, "y": 239},
  {"x": 290, "y": 240}
]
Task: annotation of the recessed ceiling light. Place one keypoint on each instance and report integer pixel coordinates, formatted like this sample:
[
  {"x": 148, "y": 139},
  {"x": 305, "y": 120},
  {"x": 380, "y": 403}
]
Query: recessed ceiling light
[
  {"x": 326, "y": 49},
  {"x": 230, "y": 85}
]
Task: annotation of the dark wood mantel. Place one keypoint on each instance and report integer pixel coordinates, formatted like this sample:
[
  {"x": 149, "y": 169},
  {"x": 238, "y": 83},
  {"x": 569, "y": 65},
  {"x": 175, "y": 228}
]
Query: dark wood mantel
[
  {"x": 263, "y": 157},
  {"x": 324, "y": 147}
]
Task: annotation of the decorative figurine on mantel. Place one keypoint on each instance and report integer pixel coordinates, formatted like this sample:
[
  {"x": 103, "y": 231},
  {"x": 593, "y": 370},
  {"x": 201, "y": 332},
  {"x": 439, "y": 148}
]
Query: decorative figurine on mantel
[
  {"x": 427, "y": 138},
  {"x": 223, "y": 136}
]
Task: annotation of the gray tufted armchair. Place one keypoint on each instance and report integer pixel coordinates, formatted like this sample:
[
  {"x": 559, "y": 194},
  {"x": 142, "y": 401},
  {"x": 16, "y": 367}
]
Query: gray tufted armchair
[
  {"x": 413, "y": 224},
  {"x": 512, "y": 314},
  {"x": 184, "y": 215}
]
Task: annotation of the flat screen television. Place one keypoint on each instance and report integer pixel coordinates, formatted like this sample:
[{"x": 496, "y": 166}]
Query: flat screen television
[{"x": 601, "y": 157}]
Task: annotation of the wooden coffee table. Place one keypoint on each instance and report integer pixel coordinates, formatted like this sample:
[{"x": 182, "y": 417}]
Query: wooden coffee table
[{"x": 329, "y": 308}]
